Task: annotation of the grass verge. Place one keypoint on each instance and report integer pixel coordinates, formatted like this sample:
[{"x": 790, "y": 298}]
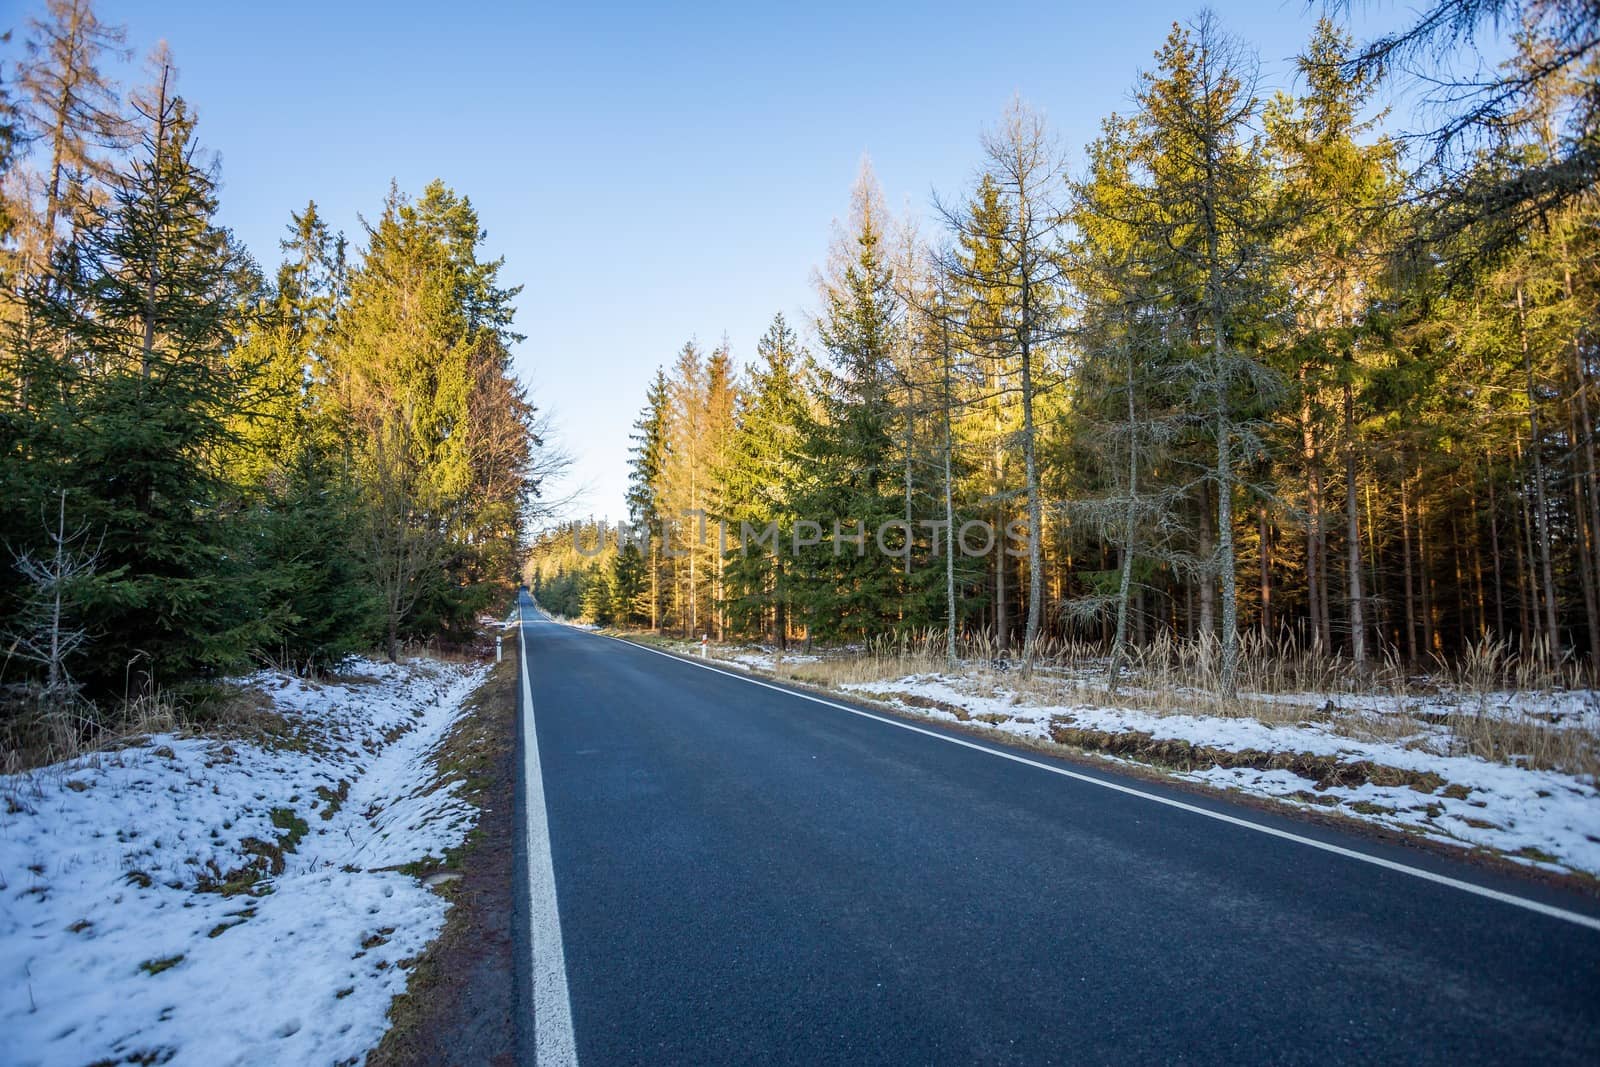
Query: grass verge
[{"x": 458, "y": 999}]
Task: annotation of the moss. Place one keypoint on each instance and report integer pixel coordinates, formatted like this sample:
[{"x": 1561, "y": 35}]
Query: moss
[
  {"x": 1366, "y": 807},
  {"x": 294, "y": 827},
  {"x": 166, "y": 963},
  {"x": 333, "y": 799}
]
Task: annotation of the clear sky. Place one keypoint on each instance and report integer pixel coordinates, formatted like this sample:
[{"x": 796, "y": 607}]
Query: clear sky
[{"x": 652, "y": 172}]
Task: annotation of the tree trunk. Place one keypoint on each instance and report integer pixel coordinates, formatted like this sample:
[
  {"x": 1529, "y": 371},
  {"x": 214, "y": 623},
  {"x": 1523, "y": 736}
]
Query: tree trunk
[
  {"x": 1425, "y": 572},
  {"x": 1313, "y": 517},
  {"x": 1494, "y": 551},
  {"x": 949, "y": 507},
  {"x": 1035, "y": 510},
  {"x": 1266, "y": 574},
  {"x": 1532, "y": 632},
  {"x": 1358, "y": 625},
  {"x": 1410, "y": 590},
  {"x": 1208, "y": 562},
  {"x": 1546, "y": 573},
  {"x": 1129, "y": 530}
]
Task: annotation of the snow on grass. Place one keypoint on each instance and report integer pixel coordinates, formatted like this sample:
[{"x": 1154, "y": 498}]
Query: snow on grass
[
  {"x": 222, "y": 902},
  {"x": 761, "y": 658}
]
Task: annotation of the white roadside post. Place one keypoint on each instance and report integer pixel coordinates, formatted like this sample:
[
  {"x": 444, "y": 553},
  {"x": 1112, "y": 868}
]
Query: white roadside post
[
  {"x": 497, "y": 642},
  {"x": 705, "y": 646}
]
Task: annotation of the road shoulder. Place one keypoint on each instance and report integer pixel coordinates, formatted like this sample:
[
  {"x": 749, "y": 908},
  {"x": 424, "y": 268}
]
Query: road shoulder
[{"x": 459, "y": 1005}]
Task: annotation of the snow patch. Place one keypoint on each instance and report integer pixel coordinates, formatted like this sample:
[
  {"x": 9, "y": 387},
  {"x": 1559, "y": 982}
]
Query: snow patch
[{"x": 114, "y": 938}]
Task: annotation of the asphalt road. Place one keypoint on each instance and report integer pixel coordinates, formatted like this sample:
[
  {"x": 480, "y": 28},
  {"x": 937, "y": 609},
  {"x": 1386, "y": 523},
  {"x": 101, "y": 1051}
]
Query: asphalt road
[{"x": 747, "y": 876}]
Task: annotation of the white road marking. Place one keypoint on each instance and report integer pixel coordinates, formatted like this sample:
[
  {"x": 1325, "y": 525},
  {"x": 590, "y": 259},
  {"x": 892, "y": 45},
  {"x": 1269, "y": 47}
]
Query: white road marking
[
  {"x": 554, "y": 1045},
  {"x": 1577, "y": 918}
]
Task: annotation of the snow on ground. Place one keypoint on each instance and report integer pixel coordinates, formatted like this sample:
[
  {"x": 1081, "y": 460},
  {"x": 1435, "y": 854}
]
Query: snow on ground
[
  {"x": 131, "y": 925},
  {"x": 1542, "y": 818},
  {"x": 761, "y": 658},
  {"x": 1567, "y": 709}
]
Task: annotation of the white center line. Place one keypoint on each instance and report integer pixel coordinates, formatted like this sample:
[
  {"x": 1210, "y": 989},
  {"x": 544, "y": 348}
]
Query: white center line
[
  {"x": 1577, "y": 918},
  {"x": 554, "y": 1045}
]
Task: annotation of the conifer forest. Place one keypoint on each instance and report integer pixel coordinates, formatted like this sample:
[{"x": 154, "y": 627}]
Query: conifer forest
[
  {"x": 211, "y": 455},
  {"x": 873, "y": 533},
  {"x": 1273, "y": 371}
]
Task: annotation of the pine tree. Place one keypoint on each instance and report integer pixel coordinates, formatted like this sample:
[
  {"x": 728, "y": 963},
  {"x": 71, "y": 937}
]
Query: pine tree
[
  {"x": 11, "y": 132},
  {"x": 305, "y": 512},
  {"x": 1335, "y": 190},
  {"x": 982, "y": 284},
  {"x": 420, "y": 350},
  {"x": 1124, "y": 411}
]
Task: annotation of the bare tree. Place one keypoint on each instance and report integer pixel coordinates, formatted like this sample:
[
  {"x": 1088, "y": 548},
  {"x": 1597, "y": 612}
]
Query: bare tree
[
  {"x": 44, "y": 631},
  {"x": 1023, "y": 161},
  {"x": 70, "y": 105}
]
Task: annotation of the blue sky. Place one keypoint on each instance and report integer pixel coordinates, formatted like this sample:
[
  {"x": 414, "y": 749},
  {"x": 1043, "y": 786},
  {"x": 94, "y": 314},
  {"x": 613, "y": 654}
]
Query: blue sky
[{"x": 651, "y": 173}]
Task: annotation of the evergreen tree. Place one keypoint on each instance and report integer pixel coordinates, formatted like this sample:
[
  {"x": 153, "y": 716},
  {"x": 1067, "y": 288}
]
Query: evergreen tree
[
  {"x": 150, "y": 314},
  {"x": 646, "y": 469},
  {"x": 846, "y": 586},
  {"x": 763, "y": 471},
  {"x": 1335, "y": 190},
  {"x": 1208, "y": 184},
  {"x": 421, "y": 348}
]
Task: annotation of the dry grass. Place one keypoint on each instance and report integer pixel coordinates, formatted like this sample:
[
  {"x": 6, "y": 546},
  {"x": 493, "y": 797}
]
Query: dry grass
[{"x": 34, "y": 733}]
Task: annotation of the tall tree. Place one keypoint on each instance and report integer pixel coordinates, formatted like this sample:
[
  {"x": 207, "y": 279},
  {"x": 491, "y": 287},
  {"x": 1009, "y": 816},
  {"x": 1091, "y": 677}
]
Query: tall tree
[
  {"x": 1337, "y": 182},
  {"x": 646, "y": 469},
  {"x": 1027, "y": 173},
  {"x": 763, "y": 471},
  {"x": 848, "y": 586},
  {"x": 70, "y": 104},
  {"x": 151, "y": 315},
  {"x": 1207, "y": 178}
]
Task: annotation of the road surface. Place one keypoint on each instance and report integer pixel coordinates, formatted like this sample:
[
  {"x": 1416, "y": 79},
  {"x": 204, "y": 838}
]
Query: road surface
[{"x": 719, "y": 871}]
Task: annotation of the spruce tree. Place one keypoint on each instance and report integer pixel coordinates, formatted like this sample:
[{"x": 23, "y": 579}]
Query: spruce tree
[
  {"x": 761, "y": 477},
  {"x": 646, "y": 511},
  {"x": 846, "y": 585},
  {"x": 150, "y": 313}
]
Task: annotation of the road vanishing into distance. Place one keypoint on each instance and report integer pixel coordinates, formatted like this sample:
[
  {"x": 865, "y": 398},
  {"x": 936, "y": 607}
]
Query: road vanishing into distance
[{"x": 720, "y": 870}]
